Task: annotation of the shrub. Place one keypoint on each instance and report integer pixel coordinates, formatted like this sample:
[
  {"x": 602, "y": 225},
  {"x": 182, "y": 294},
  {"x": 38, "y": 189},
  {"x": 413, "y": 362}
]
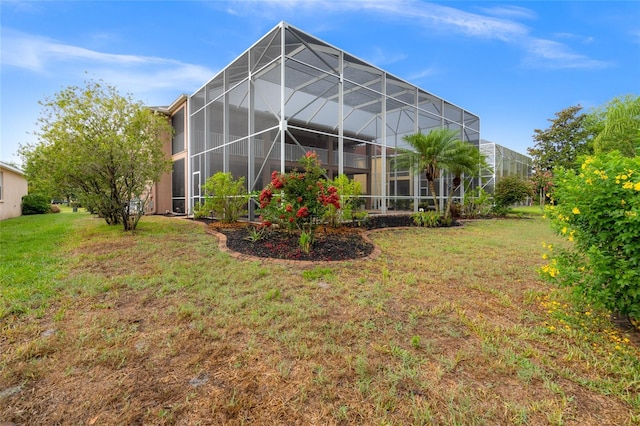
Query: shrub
[
  {"x": 225, "y": 197},
  {"x": 511, "y": 190},
  {"x": 477, "y": 203},
  {"x": 598, "y": 212},
  {"x": 298, "y": 200},
  {"x": 426, "y": 219},
  {"x": 199, "y": 211},
  {"x": 349, "y": 191},
  {"x": 500, "y": 211},
  {"x": 35, "y": 204}
]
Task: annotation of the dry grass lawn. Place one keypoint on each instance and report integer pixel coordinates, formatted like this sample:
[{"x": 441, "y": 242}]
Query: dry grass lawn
[{"x": 446, "y": 326}]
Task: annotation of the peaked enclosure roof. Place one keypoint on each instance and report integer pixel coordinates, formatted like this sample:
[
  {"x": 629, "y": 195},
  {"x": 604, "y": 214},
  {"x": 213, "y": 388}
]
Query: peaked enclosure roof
[{"x": 370, "y": 98}]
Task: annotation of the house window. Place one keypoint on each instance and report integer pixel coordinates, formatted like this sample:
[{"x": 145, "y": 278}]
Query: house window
[
  {"x": 178, "y": 186},
  {"x": 177, "y": 122},
  {"x": 1, "y": 192}
]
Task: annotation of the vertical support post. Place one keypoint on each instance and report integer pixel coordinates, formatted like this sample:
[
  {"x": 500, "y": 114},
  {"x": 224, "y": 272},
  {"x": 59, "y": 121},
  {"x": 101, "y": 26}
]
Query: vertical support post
[
  {"x": 225, "y": 126},
  {"x": 416, "y": 177},
  {"x": 283, "y": 118},
  {"x": 341, "y": 116},
  {"x": 188, "y": 166},
  {"x": 251, "y": 141},
  {"x": 383, "y": 154}
]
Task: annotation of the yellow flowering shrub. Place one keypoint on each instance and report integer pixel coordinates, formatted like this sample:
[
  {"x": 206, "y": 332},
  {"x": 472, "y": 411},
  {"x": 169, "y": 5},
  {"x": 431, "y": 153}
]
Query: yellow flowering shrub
[{"x": 597, "y": 211}]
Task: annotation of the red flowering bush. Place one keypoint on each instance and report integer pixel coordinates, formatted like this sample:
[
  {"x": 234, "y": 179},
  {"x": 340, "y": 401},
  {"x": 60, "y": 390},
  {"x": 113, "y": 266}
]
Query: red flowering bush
[{"x": 298, "y": 200}]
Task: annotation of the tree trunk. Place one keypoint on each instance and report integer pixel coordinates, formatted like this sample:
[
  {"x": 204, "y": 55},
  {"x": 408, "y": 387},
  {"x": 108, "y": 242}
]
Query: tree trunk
[
  {"x": 432, "y": 188},
  {"x": 447, "y": 211}
]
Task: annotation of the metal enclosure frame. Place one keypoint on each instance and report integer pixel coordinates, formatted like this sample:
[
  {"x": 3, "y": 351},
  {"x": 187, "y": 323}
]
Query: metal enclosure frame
[
  {"x": 503, "y": 162},
  {"x": 290, "y": 93}
]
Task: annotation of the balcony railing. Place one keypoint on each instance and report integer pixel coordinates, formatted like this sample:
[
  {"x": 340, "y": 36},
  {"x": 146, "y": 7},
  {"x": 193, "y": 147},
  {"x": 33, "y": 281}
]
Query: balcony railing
[{"x": 260, "y": 149}]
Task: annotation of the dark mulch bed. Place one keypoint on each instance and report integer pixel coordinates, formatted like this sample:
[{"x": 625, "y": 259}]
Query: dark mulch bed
[{"x": 342, "y": 244}]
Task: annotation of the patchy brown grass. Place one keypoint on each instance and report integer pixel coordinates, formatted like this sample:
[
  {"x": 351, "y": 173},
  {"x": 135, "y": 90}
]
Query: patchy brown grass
[{"x": 446, "y": 326}]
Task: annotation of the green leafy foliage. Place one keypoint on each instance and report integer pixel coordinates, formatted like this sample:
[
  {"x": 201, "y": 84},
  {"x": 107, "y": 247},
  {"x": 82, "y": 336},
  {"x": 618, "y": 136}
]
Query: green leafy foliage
[
  {"x": 477, "y": 203},
  {"x": 298, "y": 200},
  {"x": 226, "y": 197},
  {"x": 35, "y": 204},
  {"x": 104, "y": 148},
  {"x": 439, "y": 151},
  {"x": 617, "y": 126},
  {"x": 563, "y": 142},
  {"x": 511, "y": 190},
  {"x": 542, "y": 181},
  {"x": 598, "y": 212},
  {"x": 426, "y": 219},
  {"x": 256, "y": 233},
  {"x": 350, "y": 201}
]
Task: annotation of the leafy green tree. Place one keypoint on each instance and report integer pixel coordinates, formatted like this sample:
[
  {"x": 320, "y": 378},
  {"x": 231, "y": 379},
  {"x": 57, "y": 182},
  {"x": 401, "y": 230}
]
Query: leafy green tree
[
  {"x": 616, "y": 126},
  {"x": 437, "y": 151},
  {"x": 562, "y": 143},
  {"x": 104, "y": 147},
  {"x": 599, "y": 214},
  {"x": 225, "y": 196}
]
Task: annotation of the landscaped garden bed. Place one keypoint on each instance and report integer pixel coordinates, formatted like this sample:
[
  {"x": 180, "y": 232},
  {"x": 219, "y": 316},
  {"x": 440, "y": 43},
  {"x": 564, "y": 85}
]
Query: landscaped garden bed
[{"x": 334, "y": 244}]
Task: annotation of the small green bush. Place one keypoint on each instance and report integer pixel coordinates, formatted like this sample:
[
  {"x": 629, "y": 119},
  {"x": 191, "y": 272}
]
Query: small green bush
[
  {"x": 35, "y": 204},
  {"x": 511, "y": 190},
  {"x": 426, "y": 219},
  {"x": 225, "y": 197},
  {"x": 477, "y": 203},
  {"x": 349, "y": 191},
  {"x": 500, "y": 210}
]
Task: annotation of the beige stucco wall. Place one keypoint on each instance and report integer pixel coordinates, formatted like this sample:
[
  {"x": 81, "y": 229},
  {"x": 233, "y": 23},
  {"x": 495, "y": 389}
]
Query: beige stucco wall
[
  {"x": 14, "y": 187},
  {"x": 161, "y": 192}
]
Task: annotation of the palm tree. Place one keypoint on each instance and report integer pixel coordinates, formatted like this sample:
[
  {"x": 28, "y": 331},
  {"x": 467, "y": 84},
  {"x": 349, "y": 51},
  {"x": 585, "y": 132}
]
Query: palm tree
[
  {"x": 437, "y": 151},
  {"x": 466, "y": 160}
]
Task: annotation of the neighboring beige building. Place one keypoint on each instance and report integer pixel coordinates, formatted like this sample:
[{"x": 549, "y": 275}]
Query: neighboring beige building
[{"x": 13, "y": 186}]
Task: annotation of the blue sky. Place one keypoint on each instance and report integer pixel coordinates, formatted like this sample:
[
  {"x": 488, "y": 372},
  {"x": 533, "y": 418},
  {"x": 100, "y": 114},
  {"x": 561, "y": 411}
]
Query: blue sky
[{"x": 515, "y": 64}]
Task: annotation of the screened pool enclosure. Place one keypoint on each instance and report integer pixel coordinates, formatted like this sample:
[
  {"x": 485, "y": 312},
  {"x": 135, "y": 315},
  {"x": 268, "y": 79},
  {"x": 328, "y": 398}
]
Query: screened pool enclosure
[
  {"x": 291, "y": 93},
  {"x": 502, "y": 162}
]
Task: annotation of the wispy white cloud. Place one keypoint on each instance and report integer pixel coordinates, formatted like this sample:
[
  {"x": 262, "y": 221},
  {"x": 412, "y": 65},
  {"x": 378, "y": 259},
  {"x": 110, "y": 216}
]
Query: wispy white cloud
[
  {"x": 571, "y": 36},
  {"x": 510, "y": 12},
  {"x": 552, "y": 54},
  {"x": 419, "y": 12},
  {"x": 24, "y": 6},
  {"x": 490, "y": 23},
  {"x": 380, "y": 57},
  {"x": 140, "y": 73},
  {"x": 428, "y": 72}
]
